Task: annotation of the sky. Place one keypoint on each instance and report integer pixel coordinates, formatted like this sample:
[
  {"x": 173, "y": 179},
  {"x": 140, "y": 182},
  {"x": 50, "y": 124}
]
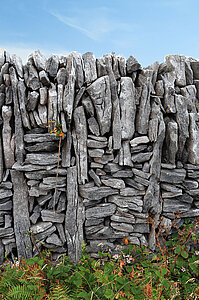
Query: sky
[{"x": 147, "y": 29}]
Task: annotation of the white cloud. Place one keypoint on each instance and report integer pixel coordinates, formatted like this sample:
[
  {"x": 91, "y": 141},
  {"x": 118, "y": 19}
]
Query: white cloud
[{"x": 94, "y": 23}]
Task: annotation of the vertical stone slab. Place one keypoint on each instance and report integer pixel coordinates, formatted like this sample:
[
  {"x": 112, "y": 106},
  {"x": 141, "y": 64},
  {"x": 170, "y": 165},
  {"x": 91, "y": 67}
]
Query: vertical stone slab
[
  {"x": 100, "y": 93},
  {"x": 116, "y": 122},
  {"x": 81, "y": 147},
  {"x": 145, "y": 81},
  {"x": 8, "y": 144},
  {"x": 127, "y": 107},
  {"x": 193, "y": 142},
  {"x": 21, "y": 215},
  {"x": 52, "y": 104},
  {"x": 68, "y": 99},
  {"x": 1, "y": 158},
  {"x": 74, "y": 217},
  {"x": 19, "y": 133}
]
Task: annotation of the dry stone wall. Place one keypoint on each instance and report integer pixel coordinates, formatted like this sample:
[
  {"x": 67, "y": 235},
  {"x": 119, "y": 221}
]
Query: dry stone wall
[{"x": 130, "y": 153}]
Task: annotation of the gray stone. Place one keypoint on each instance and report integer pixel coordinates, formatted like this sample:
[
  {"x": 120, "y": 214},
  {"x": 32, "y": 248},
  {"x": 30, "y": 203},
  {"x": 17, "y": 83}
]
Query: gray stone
[
  {"x": 139, "y": 140},
  {"x": 96, "y": 193},
  {"x": 6, "y": 205},
  {"x": 141, "y": 228},
  {"x": 134, "y": 184},
  {"x": 39, "y": 60},
  {"x": 93, "y": 126},
  {"x": 195, "y": 68},
  {"x": 88, "y": 106},
  {"x": 40, "y": 227},
  {"x": 41, "y": 158},
  {"x": 96, "y": 152},
  {"x": 127, "y": 107},
  {"x": 89, "y": 66},
  {"x": 8, "y": 142},
  {"x": 174, "y": 206},
  {"x": 96, "y": 144},
  {"x": 182, "y": 118},
  {"x": 21, "y": 215},
  {"x": 176, "y": 63},
  {"x": 54, "y": 239},
  {"x": 44, "y": 78},
  {"x": 132, "y": 65},
  {"x": 100, "y": 93},
  {"x": 33, "y": 98},
  {"x": 68, "y": 98},
  {"x": 173, "y": 176},
  {"x": 123, "y": 174},
  {"x": 172, "y": 141},
  {"x": 44, "y": 234},
  {"x": 33, "y": 78},
  {"x": 95, "y": 177},
  {"x": 122, "y": 219},
  {"x": 141, "y": 157},
  {"x": 101, "y": 211},
  {"x": 190, "y": 184},
  {"x": 93, "y": 229},
  {"x": 81, "y": 147},
  {"x": 107, "y": 233},
  {"x": 50, "y": 216},
  {"x": 114, "y": 183},
  {"x": 61, "y": 77},
  {"x": 43, "y": 95},
  {"x": 122, "y": 227},
  {"x": 52, "y": 65},
  {"x": 124, "y": 201},
  {"x": 193, "y": 146},
  {"x": 74, "y": 221},
  {"x": 93, "y": 221},
  {"x": 17, "y": 62}
]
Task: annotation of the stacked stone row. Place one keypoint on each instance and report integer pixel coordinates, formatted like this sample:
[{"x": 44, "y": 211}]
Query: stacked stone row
[{"x": 129, "y": 154}]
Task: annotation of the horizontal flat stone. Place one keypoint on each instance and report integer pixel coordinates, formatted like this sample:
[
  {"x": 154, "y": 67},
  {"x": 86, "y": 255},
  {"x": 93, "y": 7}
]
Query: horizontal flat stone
[
  {"x": 139, "y": 140},
  {"x": 40, "y": 227},
  {"x": 42, "y": 147},
  {"x": 190, "y": 214},
  {"x": 96, "y": 152},
  {"x": 122, "y": 219},
  {"x": 112, "y": 167},
  {"x": 190, "y": 184},
  {"x": 141, "y": 180},
  {"x": 194, "y": 192},
  {"x": 173, "y": 206},
  {"x": 101, "y": 211},
  {"x": 141, "y": 157},
  {"x": 6, "y": 205},
  {"x": 114, "y": 183},
  {"x": 107, "y": 233},
  {"x": 93, "y": 229},
  {"x": 172, "y": 176},
  {"x": 123, "y": 174},
  {"x": 141, "y": 173},
  {"x": 185, "y": 198},
  {"x": 168, "y": 166},
  {"x": 6, "y": 185},
  {"x": 36, "y": 192},
  {"x": 94, "y": 221},
  {"x": 40, "y": 138},
  {"x": 141, "y": 228},
  {"x": 171, "y": 194},
  {"x": 5, "y": 193},
  {"x": 131, "y": 192},
  {"x": 44, "y": 234},
  {"x": 122, "y": 227},
  {"x": 42, "y": 158},
  {"x": 124, "y": 202},
  {"x": 6, "y": 232},
  {"x": 96, "y": 144},
  {"x": 51, "y": 216},
  {"x": 134, "y": 184},
  {"x": 95, "y": 165},
  {"x": 96, "y": 193},
  {"x": 170, "y": 188},
  {"x": 30, "y": 168}
]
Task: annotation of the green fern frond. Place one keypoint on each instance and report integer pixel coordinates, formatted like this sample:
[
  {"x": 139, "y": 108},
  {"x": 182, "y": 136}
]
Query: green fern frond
[{"x": 20, "y": 292}]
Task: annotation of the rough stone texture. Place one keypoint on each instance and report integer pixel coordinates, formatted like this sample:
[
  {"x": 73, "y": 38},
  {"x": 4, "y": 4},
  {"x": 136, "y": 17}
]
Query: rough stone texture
[
  {"x": 21, "y": 215},
  {"x": 129, "y": 151}
]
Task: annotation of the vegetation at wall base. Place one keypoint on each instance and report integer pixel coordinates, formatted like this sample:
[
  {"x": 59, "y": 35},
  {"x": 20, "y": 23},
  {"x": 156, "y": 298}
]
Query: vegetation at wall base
[{"x": 135, "y": 273}]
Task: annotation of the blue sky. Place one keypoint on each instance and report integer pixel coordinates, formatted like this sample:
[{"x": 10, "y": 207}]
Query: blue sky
[{"x": 146, "y": 29}]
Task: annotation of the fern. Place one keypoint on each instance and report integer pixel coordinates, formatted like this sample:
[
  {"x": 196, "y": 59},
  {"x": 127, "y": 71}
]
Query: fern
[
  {"x": 20, "y": 292},
  {"x": 60, "y": 293}
]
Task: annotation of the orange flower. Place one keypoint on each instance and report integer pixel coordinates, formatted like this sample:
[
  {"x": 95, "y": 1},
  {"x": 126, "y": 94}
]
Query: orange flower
[
  {"x": 120, "y": 273},
  {"x": 125, "y": 240},
  {"x": 61, "y": 134}
]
